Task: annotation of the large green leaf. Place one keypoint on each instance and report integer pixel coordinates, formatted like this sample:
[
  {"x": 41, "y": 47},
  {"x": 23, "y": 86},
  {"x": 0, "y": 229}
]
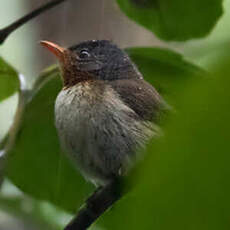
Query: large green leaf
[
  {"x": 174, "y": 20},
  {"x": 184, "y": 181},
  {"x": 9, "y": 82},
  {"x": 165, "y": 69},
  {"x": 37, "y": 165}
]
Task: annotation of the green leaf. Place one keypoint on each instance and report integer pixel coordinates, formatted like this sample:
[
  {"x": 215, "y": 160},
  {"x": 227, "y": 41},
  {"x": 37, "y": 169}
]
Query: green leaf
[
  {"x": 184, "y": 181},
  {"x": 36, "y": 164},
  {"x": 165, "y": 69},
  {"x": 176, "y": 20},
  {"x": 9, "y": 82}
]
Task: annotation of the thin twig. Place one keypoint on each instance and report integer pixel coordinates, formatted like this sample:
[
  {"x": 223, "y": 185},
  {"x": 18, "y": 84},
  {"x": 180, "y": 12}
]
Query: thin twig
[
  {"x": 5, "y": 32},
  {"x": 95, "y": 206},
  {"x": 8, "y": 142}
]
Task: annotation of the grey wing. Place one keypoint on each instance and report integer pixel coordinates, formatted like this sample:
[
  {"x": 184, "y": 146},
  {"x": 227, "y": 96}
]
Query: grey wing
[{"x": 141, "y": 97}]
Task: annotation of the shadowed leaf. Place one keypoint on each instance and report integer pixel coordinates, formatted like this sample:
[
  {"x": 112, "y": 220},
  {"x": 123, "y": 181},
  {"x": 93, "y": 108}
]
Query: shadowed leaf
[
  {"x": 9, "y": 82},
  {"x": 184, "y": 181},
  {"x": 165, "y": 69},
  {"x": 176, "y": 20}
]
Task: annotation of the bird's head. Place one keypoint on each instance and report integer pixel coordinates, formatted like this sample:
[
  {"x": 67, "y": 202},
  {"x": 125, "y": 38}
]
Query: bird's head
[{"x": 93, "y": 60}]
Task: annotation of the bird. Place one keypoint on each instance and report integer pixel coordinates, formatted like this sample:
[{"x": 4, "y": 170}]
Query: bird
[
  {"x": 106, "y": 111},
  {"x": 104, "y": 114}
]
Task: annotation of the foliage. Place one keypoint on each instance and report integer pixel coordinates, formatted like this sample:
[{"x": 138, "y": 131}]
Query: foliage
[
  {"x": 164, "y": 69},
  {"x": 9, "y": 82},
  {"x": 174, "y": 20},
  {"x": 183, "y": 181}
]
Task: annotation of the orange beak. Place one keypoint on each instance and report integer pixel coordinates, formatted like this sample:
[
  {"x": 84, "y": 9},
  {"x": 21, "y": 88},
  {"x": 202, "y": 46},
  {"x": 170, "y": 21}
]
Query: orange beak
[{"x": 57, "y": 50}]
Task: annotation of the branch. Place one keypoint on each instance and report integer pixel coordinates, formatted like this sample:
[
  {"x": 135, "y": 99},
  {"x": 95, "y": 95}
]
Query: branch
[
  {"x": 5, "y": 32},
  {"x": 8, "y": 142},
  {"x": 95, "y": 206}
]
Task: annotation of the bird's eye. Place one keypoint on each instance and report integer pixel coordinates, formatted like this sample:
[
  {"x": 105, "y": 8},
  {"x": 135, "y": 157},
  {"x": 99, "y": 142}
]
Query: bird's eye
[{"x": 84, "y": 54}]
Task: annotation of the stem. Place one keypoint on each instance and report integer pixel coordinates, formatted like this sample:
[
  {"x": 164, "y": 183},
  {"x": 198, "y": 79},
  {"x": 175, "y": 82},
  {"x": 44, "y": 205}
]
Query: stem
[
  {"x": 10, "y": 138},
  {"x": 95, "y": 206},
  {"x": 5, "y": 32}
]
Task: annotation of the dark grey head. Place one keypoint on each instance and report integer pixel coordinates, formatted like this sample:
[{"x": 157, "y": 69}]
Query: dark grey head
[
  {"x": 104, "y": 60},
  {"x": 95, "y": 59}
]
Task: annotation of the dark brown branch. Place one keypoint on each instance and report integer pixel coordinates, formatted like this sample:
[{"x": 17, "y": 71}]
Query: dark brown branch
[
  {"x": 95, "y": 206},
  {"x": 5, "y": 32}
]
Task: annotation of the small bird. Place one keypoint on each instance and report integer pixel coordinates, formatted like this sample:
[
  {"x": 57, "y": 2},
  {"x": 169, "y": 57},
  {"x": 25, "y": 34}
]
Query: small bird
[
  {"x": 106, "y": 111},
  {"x": 104, "y": 114}
]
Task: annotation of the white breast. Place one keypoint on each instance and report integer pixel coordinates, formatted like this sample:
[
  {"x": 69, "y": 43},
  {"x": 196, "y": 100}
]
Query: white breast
[{"x": 98, "y": 130}]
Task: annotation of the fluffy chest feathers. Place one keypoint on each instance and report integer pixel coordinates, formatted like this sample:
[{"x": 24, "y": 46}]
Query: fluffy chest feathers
[{"x": 98, "y": 130}]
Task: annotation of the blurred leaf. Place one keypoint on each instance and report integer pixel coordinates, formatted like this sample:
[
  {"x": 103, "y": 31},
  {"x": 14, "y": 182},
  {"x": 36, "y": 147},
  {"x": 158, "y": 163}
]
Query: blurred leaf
[
  {"x": 184, "y": 181},
  {"x": 27, "y": 209},
  {"x": 165, "y": 69},
  {"x": 24, "y": 210},
  {"x": 174, "y": 20},
  {"x": 36, "y": 164},
  {"x": 9, "y": 82}
]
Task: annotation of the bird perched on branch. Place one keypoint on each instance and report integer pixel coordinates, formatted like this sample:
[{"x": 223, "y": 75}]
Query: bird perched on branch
[{"x": 106, "y": 111}]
